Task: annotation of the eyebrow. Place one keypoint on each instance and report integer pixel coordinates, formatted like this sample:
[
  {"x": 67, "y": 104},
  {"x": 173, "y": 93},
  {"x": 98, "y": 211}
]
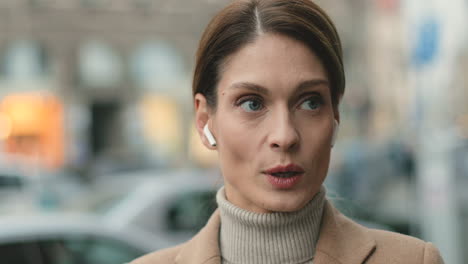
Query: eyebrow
[
  {"x": 260, "y": 89},
  {"x": 250, "y": 86},
  {"x": 312, "y": 83}
]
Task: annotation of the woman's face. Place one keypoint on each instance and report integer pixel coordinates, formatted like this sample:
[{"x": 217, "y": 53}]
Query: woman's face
[{"x": 273, "y": 124}]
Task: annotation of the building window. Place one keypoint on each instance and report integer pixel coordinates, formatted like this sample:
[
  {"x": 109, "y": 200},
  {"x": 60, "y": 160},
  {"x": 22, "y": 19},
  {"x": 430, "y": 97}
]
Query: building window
[
  {"x": 24, "y": 61},
  {"x": 99, "y": 65},
  {"x": 157, "y": 66}
]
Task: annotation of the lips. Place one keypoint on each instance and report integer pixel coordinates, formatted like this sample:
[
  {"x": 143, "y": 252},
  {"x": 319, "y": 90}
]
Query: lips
[
  {"x": 289, "y": 169},
  {"x": 284, "y": 177}
]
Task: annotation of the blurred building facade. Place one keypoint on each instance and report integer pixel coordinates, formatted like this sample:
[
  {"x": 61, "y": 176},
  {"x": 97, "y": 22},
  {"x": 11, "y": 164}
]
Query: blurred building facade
[
  {"x": 101, "y": 59},
  {"x": 122, "y": 72},
  {"x": 119, "y": 75}
]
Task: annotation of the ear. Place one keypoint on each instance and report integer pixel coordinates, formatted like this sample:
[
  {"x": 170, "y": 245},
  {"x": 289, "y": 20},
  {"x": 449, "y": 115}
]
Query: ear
[
  {"x": 337, "y": 115},
  {"x": 336, "y": 124},
  {"x": 202, "y": 117},
  {"x": 336, "y": 111}
]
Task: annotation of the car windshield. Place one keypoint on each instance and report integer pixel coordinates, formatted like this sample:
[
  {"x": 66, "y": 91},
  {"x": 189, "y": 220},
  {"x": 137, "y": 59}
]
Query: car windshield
[
  {"x": 68, "y": 250},
  {"x": 100, "y": 203},
  {"x": 8, "y": 180}
]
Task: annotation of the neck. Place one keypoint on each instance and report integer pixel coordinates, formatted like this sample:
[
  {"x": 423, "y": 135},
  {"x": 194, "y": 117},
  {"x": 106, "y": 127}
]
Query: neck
[{"x": 248, "y": 237}]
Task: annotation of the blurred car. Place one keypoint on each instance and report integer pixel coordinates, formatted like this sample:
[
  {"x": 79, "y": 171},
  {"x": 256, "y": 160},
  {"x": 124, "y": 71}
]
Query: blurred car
[
  {"x": 16, "y": 190},
  {"x": 69, "y": 239},
  {"x": 173, "y": 205},
  {"x": 14, "y": 175},
  {"x": 375, "y": 182},
  {"x": 24, "y": 191},
  {"x": 12, "y": 180}
]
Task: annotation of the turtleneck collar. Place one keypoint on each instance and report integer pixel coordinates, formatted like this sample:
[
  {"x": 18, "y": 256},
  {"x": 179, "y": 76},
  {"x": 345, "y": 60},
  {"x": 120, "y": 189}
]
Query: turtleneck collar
[{"x": 248, "y": 237}]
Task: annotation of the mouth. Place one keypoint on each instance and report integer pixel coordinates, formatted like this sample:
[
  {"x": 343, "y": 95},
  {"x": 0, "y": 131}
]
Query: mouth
[
  {"x": 287, "y": 174},
  {"x": 289, "y": 170},
  {"x": 284, "y": 177}
]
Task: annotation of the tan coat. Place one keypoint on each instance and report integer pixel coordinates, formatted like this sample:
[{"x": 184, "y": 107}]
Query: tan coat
[{"x": 341, "y": 241}]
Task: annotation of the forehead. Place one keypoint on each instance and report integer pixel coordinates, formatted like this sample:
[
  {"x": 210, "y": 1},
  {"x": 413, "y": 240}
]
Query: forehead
[{"x": 272, "y": 61}]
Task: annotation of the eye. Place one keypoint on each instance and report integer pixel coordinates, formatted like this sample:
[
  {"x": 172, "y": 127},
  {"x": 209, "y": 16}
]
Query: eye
[
  {"x": 251, "y": 105},
  {"x": 313, "y": 103}
]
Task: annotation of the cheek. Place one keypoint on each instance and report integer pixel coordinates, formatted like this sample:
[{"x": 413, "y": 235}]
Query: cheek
[
  {"x": 317, "y": 144},
  {"x": 236, "y": 145}
]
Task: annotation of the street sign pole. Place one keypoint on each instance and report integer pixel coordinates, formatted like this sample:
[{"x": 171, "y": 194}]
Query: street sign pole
[{"x": 434, "y": 34}]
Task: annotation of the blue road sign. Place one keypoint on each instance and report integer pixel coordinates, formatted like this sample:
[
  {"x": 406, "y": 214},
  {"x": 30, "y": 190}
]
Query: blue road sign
[{"x": 427, "y": 42}]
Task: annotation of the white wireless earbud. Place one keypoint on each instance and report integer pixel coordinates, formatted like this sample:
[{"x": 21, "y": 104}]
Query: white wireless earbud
[
  {"x": 209, "y": 136},
  {"x": 336, "y": 127}
]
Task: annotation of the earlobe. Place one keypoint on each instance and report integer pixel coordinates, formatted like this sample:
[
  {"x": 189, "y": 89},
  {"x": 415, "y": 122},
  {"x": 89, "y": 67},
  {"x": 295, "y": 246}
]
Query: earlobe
[
  {"x": 202, "y": 117},
  {"x": 209, "y": 136},
  {"x": 336, "y": 128}
]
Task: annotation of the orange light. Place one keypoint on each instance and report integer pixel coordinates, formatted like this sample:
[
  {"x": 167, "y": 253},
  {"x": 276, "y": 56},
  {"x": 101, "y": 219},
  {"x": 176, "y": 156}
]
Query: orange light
[
  {"x": 26, "y": 112},
  {"x": 5, "y": 126},
  {"x": 33, "y": 126},
  {"x": 161, "y": 123}
]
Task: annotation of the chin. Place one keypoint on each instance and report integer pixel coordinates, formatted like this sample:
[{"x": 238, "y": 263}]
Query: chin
[{"x": 286, "y": 204}]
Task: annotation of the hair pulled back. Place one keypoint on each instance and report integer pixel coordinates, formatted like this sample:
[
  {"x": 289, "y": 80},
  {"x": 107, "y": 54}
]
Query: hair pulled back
[{"x": 241, "y": 22}]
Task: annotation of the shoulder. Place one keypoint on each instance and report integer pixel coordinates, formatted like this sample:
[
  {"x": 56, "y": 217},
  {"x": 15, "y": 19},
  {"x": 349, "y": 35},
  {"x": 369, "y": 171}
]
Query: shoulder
[
  {"x": 201, "y": 248},
  {"x": 346, "y": 241},
  {"x": 407, "y": 249},
  {"x": 167, "y": 255}
]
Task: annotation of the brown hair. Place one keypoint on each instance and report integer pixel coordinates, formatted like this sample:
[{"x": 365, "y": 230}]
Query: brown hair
[{"x": 242, "y": 21}]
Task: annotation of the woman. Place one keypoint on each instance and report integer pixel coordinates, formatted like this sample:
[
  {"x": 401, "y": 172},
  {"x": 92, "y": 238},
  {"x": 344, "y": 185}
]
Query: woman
[{"x": 267, "y": 85}]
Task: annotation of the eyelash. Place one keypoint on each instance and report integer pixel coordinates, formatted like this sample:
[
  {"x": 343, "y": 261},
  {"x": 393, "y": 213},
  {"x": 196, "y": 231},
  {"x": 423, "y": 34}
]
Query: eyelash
[
  {"x": 245, "y": 99},
  {"x": 317, "y": 98}
]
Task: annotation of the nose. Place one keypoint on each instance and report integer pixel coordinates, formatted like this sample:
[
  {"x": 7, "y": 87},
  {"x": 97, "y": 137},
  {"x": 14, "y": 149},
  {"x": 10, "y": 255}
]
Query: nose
[{"x": 284, "y": 136}]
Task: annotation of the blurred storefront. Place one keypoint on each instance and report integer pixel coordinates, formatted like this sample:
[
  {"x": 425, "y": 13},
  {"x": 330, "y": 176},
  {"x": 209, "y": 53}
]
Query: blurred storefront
[
  {"x": 124, "y": 95},
  {"x": 34, "y": 128}
]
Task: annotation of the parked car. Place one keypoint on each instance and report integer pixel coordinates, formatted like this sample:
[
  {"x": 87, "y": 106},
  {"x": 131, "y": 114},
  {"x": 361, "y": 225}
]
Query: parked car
[
  {"x": 9, "y": 180},
  {"x": 23, "y": 191},
  {"x": 70, "y": 239},
  {"x": 13, "y": 180},
  {"x": 173, "y": 205}
]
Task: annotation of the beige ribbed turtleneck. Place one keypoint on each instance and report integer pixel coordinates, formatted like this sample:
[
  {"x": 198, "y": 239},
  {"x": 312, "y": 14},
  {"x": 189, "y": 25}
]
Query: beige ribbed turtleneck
[{"x": 253, "y": 238}]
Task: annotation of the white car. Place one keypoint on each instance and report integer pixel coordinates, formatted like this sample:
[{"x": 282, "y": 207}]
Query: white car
[
  {"x": 70, "y": 239},
  {"x": 43, "y": 191},
  {"x": 173, "y": 205}
]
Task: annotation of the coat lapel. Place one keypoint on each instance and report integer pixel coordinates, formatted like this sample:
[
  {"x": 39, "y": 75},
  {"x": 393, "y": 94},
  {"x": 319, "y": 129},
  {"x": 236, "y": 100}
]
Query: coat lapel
[
  {"x": 341, "y": 242},
  {"x": 204, "y": 247}
]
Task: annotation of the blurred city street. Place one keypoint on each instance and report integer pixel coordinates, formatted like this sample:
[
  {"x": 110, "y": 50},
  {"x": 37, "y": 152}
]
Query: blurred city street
[{"x": 100, "y": 161}]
